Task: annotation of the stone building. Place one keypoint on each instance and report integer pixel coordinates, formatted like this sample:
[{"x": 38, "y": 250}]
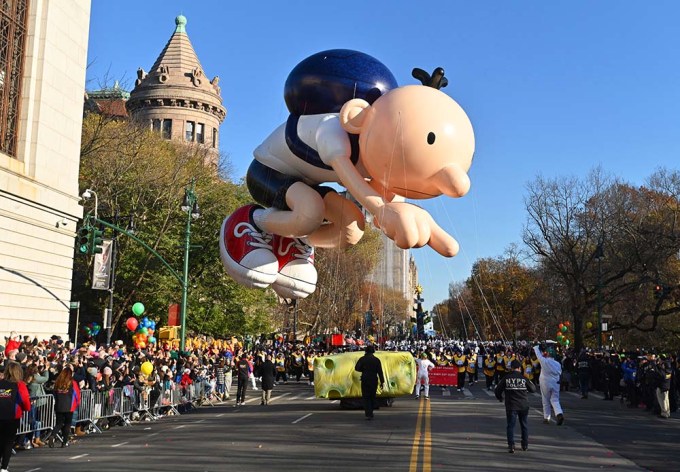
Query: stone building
[
  {"x": 176, "y": 98},
  {"x": 43, "y": 56}
]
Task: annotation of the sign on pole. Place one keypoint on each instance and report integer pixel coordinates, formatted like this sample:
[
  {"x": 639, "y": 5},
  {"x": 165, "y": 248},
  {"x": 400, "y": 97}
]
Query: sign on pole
[
  {"x": 108, "y": 314},
  {"x": 101, "y": 277}
]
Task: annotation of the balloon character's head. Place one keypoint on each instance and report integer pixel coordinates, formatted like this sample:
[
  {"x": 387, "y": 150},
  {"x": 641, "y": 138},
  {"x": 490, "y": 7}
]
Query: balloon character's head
[{"x": 415, "y": 140}]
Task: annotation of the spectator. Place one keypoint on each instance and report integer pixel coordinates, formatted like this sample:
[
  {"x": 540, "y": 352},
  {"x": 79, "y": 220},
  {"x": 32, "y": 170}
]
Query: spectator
[
  {"x": 13, "y": 402},
  {"x": 67, "y": 400}
]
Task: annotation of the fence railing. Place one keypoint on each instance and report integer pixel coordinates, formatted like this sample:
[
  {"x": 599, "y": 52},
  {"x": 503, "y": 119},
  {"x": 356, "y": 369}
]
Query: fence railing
[
  {"x": 41, "y": 416},
  {"x": 124, "y": 404}
]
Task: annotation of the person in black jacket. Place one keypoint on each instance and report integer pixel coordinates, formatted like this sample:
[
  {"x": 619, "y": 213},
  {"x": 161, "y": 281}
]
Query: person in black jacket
[
  {"x": 371, "y": 370},
  {"x": 583, "y": 368},
  {"x": 267, "y": 372},
  {"x": 516, "y": 388},
  {"x": 243, "y": 371}
]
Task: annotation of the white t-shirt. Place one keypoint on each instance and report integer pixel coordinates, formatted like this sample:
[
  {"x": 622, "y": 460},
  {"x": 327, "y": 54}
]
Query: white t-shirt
[{"x": 424, "y": 366}]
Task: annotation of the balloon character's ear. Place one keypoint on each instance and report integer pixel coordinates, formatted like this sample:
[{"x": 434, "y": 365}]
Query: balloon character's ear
[{"x": 353, "y": 114}]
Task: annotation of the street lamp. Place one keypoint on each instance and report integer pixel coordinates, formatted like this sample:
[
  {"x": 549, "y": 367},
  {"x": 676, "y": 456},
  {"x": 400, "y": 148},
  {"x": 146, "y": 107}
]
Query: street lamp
[
  {"x": 87, "y": 194},
  {"x": 599, "y": 255},
  {"x": 190, "y": 206}
]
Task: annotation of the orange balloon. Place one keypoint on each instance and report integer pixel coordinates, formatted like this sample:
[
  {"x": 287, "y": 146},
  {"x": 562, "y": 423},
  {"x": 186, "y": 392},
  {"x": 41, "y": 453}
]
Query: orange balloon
[
  {"x": 567, "y": 323},
  {"x": 560, "y": 325}
]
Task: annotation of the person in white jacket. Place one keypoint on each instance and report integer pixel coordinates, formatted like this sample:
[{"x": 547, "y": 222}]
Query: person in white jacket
[
  {"x": 551, "y": 370},
  {"x": 424, "y": 367}
]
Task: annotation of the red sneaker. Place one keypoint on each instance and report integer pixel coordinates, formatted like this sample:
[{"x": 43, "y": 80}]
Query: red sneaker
[
  {"x": 246, "y": 250},
  {"x": 297, "y": 275}
]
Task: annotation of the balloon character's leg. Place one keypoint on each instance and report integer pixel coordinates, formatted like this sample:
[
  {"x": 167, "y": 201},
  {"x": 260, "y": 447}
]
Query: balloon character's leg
[
  {"x": 296, "y": 275},
  {"x": 304, "y": 214},
  {"x": 344, "y": 225}
]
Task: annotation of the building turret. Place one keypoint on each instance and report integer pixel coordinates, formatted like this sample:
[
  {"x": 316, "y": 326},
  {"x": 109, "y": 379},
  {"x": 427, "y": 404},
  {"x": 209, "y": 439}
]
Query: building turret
[{"x": 176, "y": 98}]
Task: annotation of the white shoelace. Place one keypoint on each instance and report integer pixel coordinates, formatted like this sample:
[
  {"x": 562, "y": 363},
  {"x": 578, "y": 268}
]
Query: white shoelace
[
  {"x": 305, "y": 251},
  {"x": 261, "y": 239}
]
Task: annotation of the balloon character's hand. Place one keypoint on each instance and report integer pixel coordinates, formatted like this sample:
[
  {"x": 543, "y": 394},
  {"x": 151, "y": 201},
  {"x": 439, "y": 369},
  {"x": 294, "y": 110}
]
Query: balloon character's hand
[{"x": 410, "y": 226}]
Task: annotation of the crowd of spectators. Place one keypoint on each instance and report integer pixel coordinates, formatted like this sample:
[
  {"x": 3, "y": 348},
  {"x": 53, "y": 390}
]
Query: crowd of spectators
[{"x": 634, "y": 376}]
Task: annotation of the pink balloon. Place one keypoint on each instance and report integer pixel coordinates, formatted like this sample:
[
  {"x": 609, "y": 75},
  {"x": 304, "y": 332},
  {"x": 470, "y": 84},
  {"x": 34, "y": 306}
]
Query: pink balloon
[{"x": 132, "y": 323}]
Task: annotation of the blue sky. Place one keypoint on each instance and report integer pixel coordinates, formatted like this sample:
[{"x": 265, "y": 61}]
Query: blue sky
[{"x": 552, "y": 88}]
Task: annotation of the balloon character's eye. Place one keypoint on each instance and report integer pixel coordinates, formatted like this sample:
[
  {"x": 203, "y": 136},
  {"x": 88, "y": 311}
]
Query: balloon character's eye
[{"x": 430, "y": 138}]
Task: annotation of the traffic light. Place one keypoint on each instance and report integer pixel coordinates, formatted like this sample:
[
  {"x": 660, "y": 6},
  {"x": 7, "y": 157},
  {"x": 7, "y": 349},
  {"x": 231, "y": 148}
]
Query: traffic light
[
  {"x": 658, "y": 291},
  {"x": 96, "y": 241},
  {"x": 661, "y": 291},
  {"x": 84, "y": 239},
  {"x": 420, "y": 314}
]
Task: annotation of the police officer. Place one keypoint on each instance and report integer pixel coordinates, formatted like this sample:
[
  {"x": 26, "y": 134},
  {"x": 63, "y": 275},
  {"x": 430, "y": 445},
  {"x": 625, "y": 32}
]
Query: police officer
[
  {"x": 516, "y": 388},
  {"x": 583, "y": 369},
  {"x": 371, "y": 370}
]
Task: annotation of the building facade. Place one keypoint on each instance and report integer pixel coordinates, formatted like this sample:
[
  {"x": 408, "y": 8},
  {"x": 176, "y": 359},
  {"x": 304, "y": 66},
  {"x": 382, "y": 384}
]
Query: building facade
[{"x": 43, "y": 57}]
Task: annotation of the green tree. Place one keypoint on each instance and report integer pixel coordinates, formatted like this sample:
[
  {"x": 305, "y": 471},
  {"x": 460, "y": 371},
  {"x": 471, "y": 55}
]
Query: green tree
[{"x": 135, "y": 172}]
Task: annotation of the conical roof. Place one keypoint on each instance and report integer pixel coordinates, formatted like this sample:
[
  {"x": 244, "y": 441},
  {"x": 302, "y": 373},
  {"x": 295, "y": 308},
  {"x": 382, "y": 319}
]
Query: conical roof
[
  {"x": 177, "y": 79},
  {"x": 178, "y": 53}
]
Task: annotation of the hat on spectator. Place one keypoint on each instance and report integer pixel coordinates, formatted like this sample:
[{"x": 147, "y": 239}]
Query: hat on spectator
[
  {"x": 107, "y": 370},
  {"x": 21, "y": 357}
]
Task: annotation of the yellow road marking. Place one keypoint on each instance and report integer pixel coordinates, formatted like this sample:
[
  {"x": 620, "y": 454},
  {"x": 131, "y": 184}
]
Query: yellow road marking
[
  {"x": 427, "y": 444},
  {"x": 416, "y": 439},
  {"x": 423, "y": 410}
]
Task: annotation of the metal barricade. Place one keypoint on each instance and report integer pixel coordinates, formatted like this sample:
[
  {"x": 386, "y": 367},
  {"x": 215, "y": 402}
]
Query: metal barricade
[
  {"x": 40, "y": 417},
  {"x": 127, "y": 403},
  {"x": 85, "y": 412},
  {"x": 169, "y": 399},
  {"x": 108, "y": 404}
]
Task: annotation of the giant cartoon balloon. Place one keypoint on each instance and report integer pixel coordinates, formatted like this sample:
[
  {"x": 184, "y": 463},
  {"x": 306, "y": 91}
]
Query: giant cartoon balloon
[{"x": 350, "y": 123}]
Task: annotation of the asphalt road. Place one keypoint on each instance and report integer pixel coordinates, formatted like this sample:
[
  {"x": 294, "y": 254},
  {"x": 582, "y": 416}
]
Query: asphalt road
[{"x": 454, "y": 431}]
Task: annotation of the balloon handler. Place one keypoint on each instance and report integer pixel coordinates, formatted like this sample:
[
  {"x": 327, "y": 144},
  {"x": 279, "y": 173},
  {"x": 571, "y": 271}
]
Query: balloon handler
[{"x": 350, "y": 124}]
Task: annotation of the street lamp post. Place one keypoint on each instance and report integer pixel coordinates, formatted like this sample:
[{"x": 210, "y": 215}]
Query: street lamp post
[
  {"x": 114, "y": 254},
  {"x": 599, "y": 255},
  {"x": 190, "y": 206}
]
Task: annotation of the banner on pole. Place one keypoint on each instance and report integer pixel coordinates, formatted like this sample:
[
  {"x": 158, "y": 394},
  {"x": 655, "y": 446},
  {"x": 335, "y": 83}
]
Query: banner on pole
[{"x": 101, "y": 277}]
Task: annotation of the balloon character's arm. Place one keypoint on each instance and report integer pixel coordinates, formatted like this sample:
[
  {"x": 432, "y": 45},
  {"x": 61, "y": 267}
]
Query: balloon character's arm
[
  {"x": 406, "y": 224},
  {"x": 334, "y": 150}
]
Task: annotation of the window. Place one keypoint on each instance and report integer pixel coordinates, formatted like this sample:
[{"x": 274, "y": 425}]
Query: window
[
  {"x": 13, "y": 19},
  {"x": 199, "y": 133},
  {"x": 189, "y": 131},
  {"x": 156, "y": 125},
  {"x": 167, "y": 129},
  {"x": 214, "y": 144}
]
